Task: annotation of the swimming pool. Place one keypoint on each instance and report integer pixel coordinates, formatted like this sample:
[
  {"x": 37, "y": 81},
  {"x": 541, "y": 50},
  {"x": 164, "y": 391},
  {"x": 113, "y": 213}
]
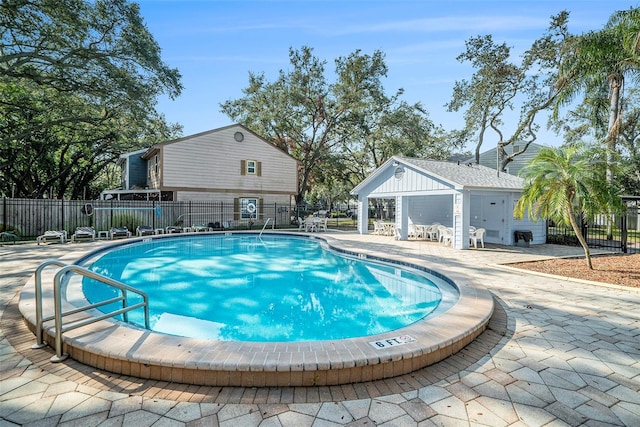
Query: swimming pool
[
  {"x": 124, "y": 349},
  {"x": 268, "y": 288}
]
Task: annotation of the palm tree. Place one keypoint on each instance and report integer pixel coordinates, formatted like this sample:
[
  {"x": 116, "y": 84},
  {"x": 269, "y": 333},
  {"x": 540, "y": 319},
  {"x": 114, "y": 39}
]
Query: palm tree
[
  {"x": 599, "y": 59},
  {"x": 562, "y": 184}
]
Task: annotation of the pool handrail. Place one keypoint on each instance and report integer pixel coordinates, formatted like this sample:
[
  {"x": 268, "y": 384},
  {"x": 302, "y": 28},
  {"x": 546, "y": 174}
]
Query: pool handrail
[
  {"x": 38, "y": 300},
  {"x": 58, "y": 314},
  {"x": 264, "y": 226}
]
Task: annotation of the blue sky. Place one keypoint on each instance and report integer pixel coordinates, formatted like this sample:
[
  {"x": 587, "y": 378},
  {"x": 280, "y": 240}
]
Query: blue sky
[{"x": 215, "y": 43}]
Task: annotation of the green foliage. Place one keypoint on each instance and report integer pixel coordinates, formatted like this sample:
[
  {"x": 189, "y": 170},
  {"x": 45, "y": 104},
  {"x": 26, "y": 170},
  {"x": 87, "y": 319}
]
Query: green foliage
[
  {"x": 563, "y": 239},
  {"x": 588, "y": 121},
  {"x": 564, "y": 183},
  {"x": 499, "y": 84},
  {"x": 78, "y": 85},
  {"x": 10, "y": 228},
  {"x": 126, "y": 220},
  {"x": 569, "y": 180},
  {"x": 339, "y": 130},
  {"x": 597, "y": 63}
]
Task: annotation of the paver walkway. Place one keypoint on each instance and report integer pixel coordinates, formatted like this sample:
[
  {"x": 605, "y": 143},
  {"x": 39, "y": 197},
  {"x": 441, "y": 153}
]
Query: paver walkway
[{"x": 557, "y": 352}]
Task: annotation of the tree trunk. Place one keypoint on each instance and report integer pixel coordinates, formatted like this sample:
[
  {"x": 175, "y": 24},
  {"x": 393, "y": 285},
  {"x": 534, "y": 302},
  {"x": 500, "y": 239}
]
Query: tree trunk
[
  {"x": 615, "y": 85},
  {"x": 581, "y": 238}
]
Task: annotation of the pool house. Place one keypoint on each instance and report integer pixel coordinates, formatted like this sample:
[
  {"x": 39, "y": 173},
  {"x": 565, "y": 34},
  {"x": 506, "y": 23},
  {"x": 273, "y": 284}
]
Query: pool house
[{"x": 455, "y": 194}]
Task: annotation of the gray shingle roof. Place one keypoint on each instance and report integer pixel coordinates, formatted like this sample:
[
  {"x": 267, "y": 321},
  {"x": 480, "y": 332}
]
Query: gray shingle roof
[{"x": 467, "y": 175}]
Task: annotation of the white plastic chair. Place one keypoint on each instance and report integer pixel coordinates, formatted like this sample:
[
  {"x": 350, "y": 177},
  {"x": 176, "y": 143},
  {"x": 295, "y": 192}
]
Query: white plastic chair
[
  {"x": 378, "y": 227},
  {"x": 416, "y": 231},
  {"x": 478, "y": 235},
  {"x": 310, "y": 225},
  {"x": 431, "y": 232},
  {"x": 446, "y": 236}
]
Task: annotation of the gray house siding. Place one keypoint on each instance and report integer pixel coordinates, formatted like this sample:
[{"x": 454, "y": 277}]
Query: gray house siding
[
  {"x": 488, "y": 158},
  {"x": 133, "y": 170},
  {"x": 137, "y": 172}
]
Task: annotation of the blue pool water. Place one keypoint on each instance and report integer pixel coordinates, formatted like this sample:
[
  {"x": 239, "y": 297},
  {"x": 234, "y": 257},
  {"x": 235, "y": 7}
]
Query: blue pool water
[{"x": 274, "y": 288}]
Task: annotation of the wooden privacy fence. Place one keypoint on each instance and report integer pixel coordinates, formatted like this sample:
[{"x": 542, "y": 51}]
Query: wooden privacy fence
[{"x": 29, "y": 218}]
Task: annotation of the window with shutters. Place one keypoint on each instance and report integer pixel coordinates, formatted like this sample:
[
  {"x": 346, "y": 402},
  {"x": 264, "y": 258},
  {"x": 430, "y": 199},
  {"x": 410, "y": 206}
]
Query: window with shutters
[
  {"x": 250, "y": 167},
  {"x": 248, "y": 208}
]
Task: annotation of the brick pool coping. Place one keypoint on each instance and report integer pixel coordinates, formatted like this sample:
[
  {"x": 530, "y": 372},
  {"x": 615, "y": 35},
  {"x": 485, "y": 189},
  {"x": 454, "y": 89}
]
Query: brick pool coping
[{"x": 125, "y": 350}]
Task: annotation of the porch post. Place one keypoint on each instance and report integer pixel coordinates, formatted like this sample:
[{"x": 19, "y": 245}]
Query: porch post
[
  {"x": 402, "y": 217},
  {"x": 363, "y": 214},
  {"x": 461, "y": 219}
]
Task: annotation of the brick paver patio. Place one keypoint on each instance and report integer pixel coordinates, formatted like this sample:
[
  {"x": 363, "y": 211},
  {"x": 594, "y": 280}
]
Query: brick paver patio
[{"x": 557, "y": 352}]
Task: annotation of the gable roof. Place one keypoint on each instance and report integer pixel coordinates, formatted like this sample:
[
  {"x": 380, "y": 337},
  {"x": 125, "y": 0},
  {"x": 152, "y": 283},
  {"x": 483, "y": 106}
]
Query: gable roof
[
  {"x": 463, "y": 176},
  {"x": 467, "y": 175}
]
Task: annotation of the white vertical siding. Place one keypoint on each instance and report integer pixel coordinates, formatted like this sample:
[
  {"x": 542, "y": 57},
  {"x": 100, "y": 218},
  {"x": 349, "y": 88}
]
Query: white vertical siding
[
  {"x": 457, "y": 221},
  {"x": 539, "y": 228},
  {"x": 411, "y": 181}
]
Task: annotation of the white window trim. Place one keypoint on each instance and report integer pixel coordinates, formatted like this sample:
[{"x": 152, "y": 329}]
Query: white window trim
[{"x": 255, "y": 167}]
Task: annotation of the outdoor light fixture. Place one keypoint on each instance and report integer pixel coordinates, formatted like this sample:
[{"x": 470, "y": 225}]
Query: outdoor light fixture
[{"x": 398, "y": 173}]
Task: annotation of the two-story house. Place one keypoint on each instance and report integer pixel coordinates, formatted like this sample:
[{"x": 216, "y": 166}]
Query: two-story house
[{"x": 230, "y": 164}]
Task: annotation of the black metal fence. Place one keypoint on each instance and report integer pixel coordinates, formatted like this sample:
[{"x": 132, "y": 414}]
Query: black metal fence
[
  {"x": 619, "y": 234},
  {"x": 29, "y": 218}
]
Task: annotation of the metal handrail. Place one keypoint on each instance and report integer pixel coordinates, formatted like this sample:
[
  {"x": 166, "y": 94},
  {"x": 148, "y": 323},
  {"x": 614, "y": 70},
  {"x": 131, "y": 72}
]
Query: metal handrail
[
  {"x": 38, "y": 296},
  {"x": 264, "y": 226},
  {"x": 57, "y": 298}
]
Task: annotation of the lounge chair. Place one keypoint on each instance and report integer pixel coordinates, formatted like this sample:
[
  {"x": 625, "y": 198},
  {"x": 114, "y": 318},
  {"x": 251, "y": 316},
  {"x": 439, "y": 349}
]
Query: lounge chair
[
  {"x": 84, "y": 233},
  {"x": 119, "y": 232},
  {"x": 6, "y": 236},
  {"x": 50, "y": 235},
  {"x": 201, "y": 227},
  {"x": 144, "y": 230},
  {"x": 173, "y": 229},
  {"x": 478, "y": 235}
]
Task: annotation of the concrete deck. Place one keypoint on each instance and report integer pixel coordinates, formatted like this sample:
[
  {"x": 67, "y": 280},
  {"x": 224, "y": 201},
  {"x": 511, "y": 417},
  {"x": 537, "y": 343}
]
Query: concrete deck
[{"x": 556, "y": 352}]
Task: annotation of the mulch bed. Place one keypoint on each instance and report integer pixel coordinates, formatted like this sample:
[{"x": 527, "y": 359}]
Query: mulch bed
[{"x": 615, "y": 269}]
